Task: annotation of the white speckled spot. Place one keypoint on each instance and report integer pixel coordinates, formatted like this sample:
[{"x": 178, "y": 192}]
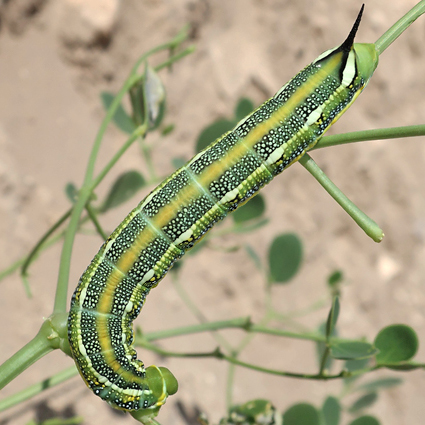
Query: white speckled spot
[
  {"x": 129, "y": 306},
  {"x": 147, "y": 276},
  {"x": 82, "y": 350},
  {"x": 314, "y": 116},
  {"x": 229, "y": 196},
  {"x": 185, "y": 236},
  {"x": 275, "y": 155},
  {"x": 83, "y": 294}
]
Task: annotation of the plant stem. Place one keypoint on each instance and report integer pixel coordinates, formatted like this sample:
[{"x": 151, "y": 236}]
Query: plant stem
[
  {"x": 229, "y": 384},
  {"x": 399, "y": 27},
  {"x": 240, "y": 323},
  {"x": 325, "y": 356},
  {"x": 281, "y": 372},
  {"x": 32, "y": 255},
  {"x": 35, "y": 389},
  {"x": 93, "y": 217},
  {"x": 365, "y": 135},
  {"x": 365, "y": 222},
  {"x": 243, "y": 323},
  {"x": 167, "y": 353},
  {"x": 34, "y": 350},
  {"x": 175, "y": 58}
]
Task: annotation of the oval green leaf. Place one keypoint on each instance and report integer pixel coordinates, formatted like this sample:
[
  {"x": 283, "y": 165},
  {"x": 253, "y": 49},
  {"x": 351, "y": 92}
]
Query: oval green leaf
[
  {"x": 247, "y": 227},
  {"x": 167, "y": 129},
  {"x": 405, "y": 366},
  {"x": 254, "y": 256},
  {"x": 365, "y": 420},
  {"x": 335, "y": 279},
  {"x": 364, "y": 401},
  {"x": 243, "y": 108},
  {"x": 321, "y": 347},
  {"x": 178, "y": 162},
  {"x": 353, "y": 365},
  {"x": 332, "y": 317},
  {"x": 254, "y": 412},
  {"x": 285, "y": 256},
  {"x": 254, "y": 208},
  {"x": 379, "y": 384},
  {"x": 331, "y": 411},
  {"x": 212, "y": 132},
  {"x": 301, "y": 414},
  {"x": 121, "y": 119},
  {"x": 352, "y": 350},
  {"x": 125, "y": 186},
  {"x": 396, "y": 343},
  {"x": 71, "y": 192}
]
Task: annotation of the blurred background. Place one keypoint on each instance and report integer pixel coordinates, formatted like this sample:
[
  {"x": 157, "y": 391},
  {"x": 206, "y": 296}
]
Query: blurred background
[{"x": 56, "y": 57}]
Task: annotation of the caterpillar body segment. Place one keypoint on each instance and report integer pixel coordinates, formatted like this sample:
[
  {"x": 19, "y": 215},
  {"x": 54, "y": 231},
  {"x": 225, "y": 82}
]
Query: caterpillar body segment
[{"x": 176, "y": 214}]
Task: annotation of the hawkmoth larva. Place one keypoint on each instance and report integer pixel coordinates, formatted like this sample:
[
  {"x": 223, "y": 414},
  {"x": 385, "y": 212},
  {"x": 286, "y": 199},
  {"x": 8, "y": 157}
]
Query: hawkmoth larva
[{"x": 181, "y": 209}]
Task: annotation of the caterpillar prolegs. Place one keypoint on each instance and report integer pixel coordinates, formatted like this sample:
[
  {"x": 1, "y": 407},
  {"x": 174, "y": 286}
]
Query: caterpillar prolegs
[{"x": 176, "y": 214}]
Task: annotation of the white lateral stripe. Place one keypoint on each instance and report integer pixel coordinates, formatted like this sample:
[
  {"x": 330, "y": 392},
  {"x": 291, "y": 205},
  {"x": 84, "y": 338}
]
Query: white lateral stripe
[
  {"x": 281, "y": 90},
  {"x": 314, "y": 116},
  {"x": 276, "y": 154},
  {"x": 350, "y": 69},
  {"x": 147, "y": 276},
  {"x": 183, "y": 237}
]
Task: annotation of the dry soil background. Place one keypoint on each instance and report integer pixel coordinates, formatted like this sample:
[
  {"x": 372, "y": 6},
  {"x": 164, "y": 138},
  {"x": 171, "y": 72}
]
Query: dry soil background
[{"x": 56, "y": 57}]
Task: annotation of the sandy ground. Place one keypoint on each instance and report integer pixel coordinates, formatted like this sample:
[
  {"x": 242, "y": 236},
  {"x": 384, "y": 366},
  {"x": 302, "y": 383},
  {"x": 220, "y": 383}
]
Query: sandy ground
[{"x": 50, "y": 111}]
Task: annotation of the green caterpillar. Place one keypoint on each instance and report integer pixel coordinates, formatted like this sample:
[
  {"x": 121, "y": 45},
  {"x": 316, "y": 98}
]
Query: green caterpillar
[{"x": 175, "y": 215}]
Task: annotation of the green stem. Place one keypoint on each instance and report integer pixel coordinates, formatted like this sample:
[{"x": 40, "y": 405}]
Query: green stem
[
  {"x": 172, "y": 44},
  {"x": 288, "y": 334},
  {"x": 34, "y": 350},
  {"x": 366, "y": 135},
  {"x": 324, "y": 360},
  {"x": 12, "y": 268},
  {"x": 162, "y": 352},
  {"x": 93, "y": 217},
  {"x": 33, "y": 254},
  {"x": 399, "y": 27},
  {"x": 243, "y": 323},
  {"x": 229, "y": 384},
  {"x": 240, "y": 323},
  {"x": 36, "y": 389},
  {"x": 18, "y": 263},
  {"x": 280, "y": 372},
  {"x": 175, "y": 58},
  {"x": 139, "y": 132},
  {"x": 288, "y": 317},
  {"x": 364, "y": 222}
]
